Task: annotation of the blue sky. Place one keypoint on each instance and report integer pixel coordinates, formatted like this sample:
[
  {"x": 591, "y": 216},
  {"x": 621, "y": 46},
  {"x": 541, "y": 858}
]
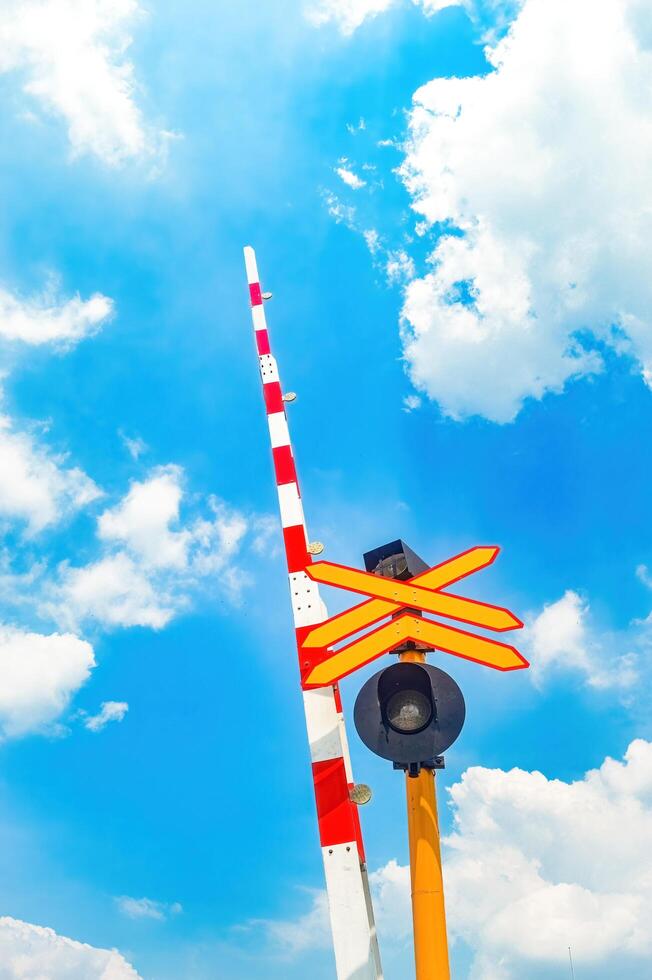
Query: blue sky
[{"x": 462, "y": 302}]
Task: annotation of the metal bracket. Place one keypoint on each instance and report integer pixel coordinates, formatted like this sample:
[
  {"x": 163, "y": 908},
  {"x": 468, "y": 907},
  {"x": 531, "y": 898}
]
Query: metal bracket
[{"x": 414, "y": 768}]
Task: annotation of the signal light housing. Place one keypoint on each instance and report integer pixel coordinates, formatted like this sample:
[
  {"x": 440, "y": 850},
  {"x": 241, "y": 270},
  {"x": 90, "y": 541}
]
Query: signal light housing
[
  {"x": 394, "y": 560},
  {"x": 410, "y": 713}
]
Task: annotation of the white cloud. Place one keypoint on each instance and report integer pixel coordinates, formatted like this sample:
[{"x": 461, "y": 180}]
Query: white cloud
[
  {"x": 135, "y": 447},
  {"x": 524, "y": 877},
  {"x": 141, "y": 521},
  {"x": 411, "y": 403},
  {"x": 561, "y": 638},
  {"x": 147, "y": 523},
  {"x": 146, "y": 908},
  {"x": 372, "y": 240},
  {"x": 348, "y": 15},
  {"x": 266, "y": 534},
  {"x": 553, "y": 219},
  {"x": 350, "y": 178},
  {"x": 390, "y": 890},
  {"x": 643, "y": 575},
  {"x": 38, "y": 677},
  {"x": 491, "y": 16},
  {"x": 215, "y": 542},
  {"x": 534, "y": 865},
  {"x": 434, "y": 6},
  {"x": 46, "y": 319},
  {"x": 399, "y": 267},
  {"x": 29, "y": 952},
  {"x": 18, "y": 588},
  {"x": 109, "y": 711},
  {"x": 342, "y": 213},
  {"x": 295, "y": 936},
  {"x": 113, "y": 591},
  {"x": 35, "y": 485},
  {"x": 71, "y": 59},
  {"x": 152, "y": 575},
  {"x": 160, "y": 562}
]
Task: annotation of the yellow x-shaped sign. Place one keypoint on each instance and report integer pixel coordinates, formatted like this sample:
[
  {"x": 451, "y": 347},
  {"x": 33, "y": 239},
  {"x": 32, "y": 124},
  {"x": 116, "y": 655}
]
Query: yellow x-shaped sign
[{"x": 423, "y": 592}]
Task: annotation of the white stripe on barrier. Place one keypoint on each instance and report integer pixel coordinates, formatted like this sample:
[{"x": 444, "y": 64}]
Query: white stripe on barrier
[
  {"x": 250, "y": 264},
  {"x": 347, "y": 903},
  {"x": 258, "y": 316},
  {"x": 278, "y": 430},
  {"x": 322, "y": 722},
  {"x": 290, "y": 505}
]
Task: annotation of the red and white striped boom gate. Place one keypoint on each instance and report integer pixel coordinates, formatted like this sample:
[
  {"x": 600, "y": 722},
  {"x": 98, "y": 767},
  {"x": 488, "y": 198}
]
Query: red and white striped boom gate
[{"x": 349, "y": 901}]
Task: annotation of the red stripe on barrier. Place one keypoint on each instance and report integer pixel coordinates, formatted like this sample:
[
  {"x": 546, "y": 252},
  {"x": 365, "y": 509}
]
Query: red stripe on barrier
[
  {"x": 334, "y": 808},
  {"x": 262, "y": 341},
  {"x": 273, "y": 398},
  {"x": 295, "y": 548},
  {"x": 284, "y": 465},
  {"x": 255, "y": 294}
]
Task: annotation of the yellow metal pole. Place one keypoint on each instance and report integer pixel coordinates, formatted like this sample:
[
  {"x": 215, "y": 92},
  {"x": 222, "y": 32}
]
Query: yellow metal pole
[{"x": 428, "y": 909}]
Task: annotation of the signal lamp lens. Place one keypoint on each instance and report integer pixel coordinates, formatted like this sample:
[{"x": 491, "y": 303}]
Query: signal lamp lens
[{"x": 408, "y": 711}]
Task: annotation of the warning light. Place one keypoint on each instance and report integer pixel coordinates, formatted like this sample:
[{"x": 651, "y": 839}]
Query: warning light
[{"x": 410, "y": 713}]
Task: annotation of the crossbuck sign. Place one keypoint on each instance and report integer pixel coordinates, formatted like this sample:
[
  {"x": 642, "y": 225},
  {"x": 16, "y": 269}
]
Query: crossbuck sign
[{"x": 404, "y": 601}]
